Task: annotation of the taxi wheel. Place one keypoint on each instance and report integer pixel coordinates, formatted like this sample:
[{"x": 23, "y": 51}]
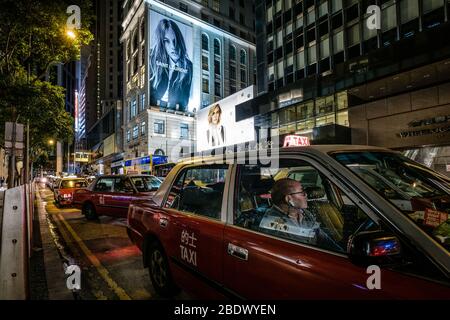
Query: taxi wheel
[
  {"x": 89, "y": 211},
  {"x": 159, "y": 271}
]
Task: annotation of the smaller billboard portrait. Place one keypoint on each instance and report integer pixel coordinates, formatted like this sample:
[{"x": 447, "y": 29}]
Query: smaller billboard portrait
[
  {"x": 170, "y": 63},
  {"x": 217, "y": 126}
]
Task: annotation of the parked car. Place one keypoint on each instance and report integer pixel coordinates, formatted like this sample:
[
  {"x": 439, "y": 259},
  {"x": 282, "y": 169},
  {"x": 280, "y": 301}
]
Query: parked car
[
  {"x": 205, "y": 228},
  {"x": 111, "y": 194},
  {"x": 65, "y": 187}
]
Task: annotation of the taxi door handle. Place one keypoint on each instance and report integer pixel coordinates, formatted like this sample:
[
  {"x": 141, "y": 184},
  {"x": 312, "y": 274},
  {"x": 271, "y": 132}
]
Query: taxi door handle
[{"x": 237, "y": 252}]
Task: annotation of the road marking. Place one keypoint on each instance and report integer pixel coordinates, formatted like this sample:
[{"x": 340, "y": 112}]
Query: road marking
[{"x": 95, "y": 262}]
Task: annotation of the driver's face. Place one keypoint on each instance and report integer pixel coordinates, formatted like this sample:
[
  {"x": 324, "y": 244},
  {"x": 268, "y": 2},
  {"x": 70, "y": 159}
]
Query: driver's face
[{"x": 170, "y": 44}]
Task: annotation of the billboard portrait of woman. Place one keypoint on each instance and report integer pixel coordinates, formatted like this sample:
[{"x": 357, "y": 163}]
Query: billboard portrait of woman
[
  {"x": 170, "y": 67},
  {"x": 215, "y": 134}
]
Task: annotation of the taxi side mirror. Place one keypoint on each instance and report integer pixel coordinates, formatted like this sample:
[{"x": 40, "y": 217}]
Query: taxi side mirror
[{"x": 374, "y": 247}]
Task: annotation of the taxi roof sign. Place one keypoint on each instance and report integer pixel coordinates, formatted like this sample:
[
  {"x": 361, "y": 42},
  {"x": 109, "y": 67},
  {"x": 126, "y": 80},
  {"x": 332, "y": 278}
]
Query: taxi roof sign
[{"x": 295, "y": 141}]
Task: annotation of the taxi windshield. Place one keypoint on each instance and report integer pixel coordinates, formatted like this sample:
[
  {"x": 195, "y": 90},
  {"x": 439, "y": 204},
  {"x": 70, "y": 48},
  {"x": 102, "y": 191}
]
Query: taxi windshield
[
  {"x": 420, "y": 193},
  {"x": 76, "y": 183}
]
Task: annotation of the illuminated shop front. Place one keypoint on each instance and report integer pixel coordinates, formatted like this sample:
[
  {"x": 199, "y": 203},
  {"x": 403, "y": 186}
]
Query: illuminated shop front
[{"x": 143, "y": 165}]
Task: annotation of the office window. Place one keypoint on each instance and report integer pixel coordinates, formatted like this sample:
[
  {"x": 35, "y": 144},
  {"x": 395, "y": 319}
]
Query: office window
[
  {"x": 128, "y": 135},
  {"x": 409, "y": 9},
  {"x": 205, "y": 63},
  {"x": 158, "y": 126},
  {"x": 184, "y": 130},
  {"x": 323, "y": 9},
  {"x": 287, "y": 4},
  {"x": 217, "y": 46},
  {"x": 205, "y": 85},
  {"x": 388, "y": 18},
  {"x": 279, "y": 39},
  {"x": 353, "y": 35},
  {"x": 271, "y": 73},
  {"x": 231, "y": 13},
  {"x": 205, "y": 42},
  {"x": 338, "y": 42},
  {"x": 301, "y": 60},
  {"x": 280, "y": 70},
  {"x": 430, "y": 5},
  {"x": 311, "y": 17},
  {"x": 135, "y": 132},
  {"x": 312, "y": 57},
  {"x": 269, "y": 15},
  {"x": 143, "y": 129},
  {"x": 336, "y": 5},
  {"x": 325, "y": 48}
]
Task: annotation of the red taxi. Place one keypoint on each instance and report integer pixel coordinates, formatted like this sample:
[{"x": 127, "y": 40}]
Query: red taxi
[
  {"x": 64, "y": 188},
  {"x": 111, "y": 195},
  {"x": 380, "y": 228}
]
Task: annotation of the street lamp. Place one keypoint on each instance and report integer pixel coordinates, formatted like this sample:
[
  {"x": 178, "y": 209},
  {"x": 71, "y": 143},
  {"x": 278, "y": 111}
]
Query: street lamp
[
  {"x": 71, "y": 34},
  {"x": 51, "y": 142}
]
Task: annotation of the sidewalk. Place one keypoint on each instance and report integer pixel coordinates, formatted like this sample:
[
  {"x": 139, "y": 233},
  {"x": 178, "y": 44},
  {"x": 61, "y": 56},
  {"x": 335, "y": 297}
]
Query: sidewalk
[{"x": 47, "y": 277}]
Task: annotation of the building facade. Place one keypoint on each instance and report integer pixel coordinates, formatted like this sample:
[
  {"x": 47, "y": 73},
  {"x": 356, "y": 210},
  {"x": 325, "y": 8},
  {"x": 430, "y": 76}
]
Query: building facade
[
  {"x": 162, "y": 94},
  {"x": 319, "y": 65}
]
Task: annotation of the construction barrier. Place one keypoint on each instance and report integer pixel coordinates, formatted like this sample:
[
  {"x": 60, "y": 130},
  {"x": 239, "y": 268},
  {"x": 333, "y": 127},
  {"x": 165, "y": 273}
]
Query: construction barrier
[{"x": 16, "y": 225}]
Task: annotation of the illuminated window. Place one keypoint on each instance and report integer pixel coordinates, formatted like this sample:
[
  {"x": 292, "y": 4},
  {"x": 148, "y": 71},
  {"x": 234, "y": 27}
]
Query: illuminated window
[
  {"x": 135, "y": 132},
  {"x": 128, "y": 135}
]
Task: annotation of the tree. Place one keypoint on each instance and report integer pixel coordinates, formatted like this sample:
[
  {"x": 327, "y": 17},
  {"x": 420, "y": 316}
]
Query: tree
[{"x": 32, "y": 38}]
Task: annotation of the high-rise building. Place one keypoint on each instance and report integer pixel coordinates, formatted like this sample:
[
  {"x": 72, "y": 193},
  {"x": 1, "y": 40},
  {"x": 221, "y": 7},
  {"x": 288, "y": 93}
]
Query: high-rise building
[
  {"x": 103, "y": 94},
  {"x": 179, "y": 57},
  {"x": 327, "y": 72}
]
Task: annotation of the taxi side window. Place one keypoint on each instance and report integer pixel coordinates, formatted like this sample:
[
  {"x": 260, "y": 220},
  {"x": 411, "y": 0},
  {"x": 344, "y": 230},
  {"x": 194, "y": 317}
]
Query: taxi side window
[
  {"x": 104, "y": 185},
  {"x": 319, "y": 214},
  {"x": 199, "y": 190},
  {"x": 123, "y": 185}
]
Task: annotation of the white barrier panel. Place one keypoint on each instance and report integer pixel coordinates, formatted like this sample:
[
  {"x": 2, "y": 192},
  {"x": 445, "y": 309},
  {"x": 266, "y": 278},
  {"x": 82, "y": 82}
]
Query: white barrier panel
[{"x": 13, "y": 250}]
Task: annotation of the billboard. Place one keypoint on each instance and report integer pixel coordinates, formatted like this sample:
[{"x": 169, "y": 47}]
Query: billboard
[
  {"x": 217, "y": 126},
  {"x": 171, "y": 64}
]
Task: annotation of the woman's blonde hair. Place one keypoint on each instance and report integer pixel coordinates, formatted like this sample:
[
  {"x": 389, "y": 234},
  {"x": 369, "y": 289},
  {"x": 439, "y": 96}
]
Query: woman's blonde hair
[{"x": 211, "y": 112}]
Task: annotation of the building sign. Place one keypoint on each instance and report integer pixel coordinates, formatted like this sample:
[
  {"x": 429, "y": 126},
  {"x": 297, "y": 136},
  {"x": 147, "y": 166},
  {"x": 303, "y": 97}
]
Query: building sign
[
  {"x": 295, "y": 141},
  {"x": 81, "y": 157},
  {"x": 217, "y": 126},
  {"x": 170, "y": 64},
  {"x": 427, "y": 122}
]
